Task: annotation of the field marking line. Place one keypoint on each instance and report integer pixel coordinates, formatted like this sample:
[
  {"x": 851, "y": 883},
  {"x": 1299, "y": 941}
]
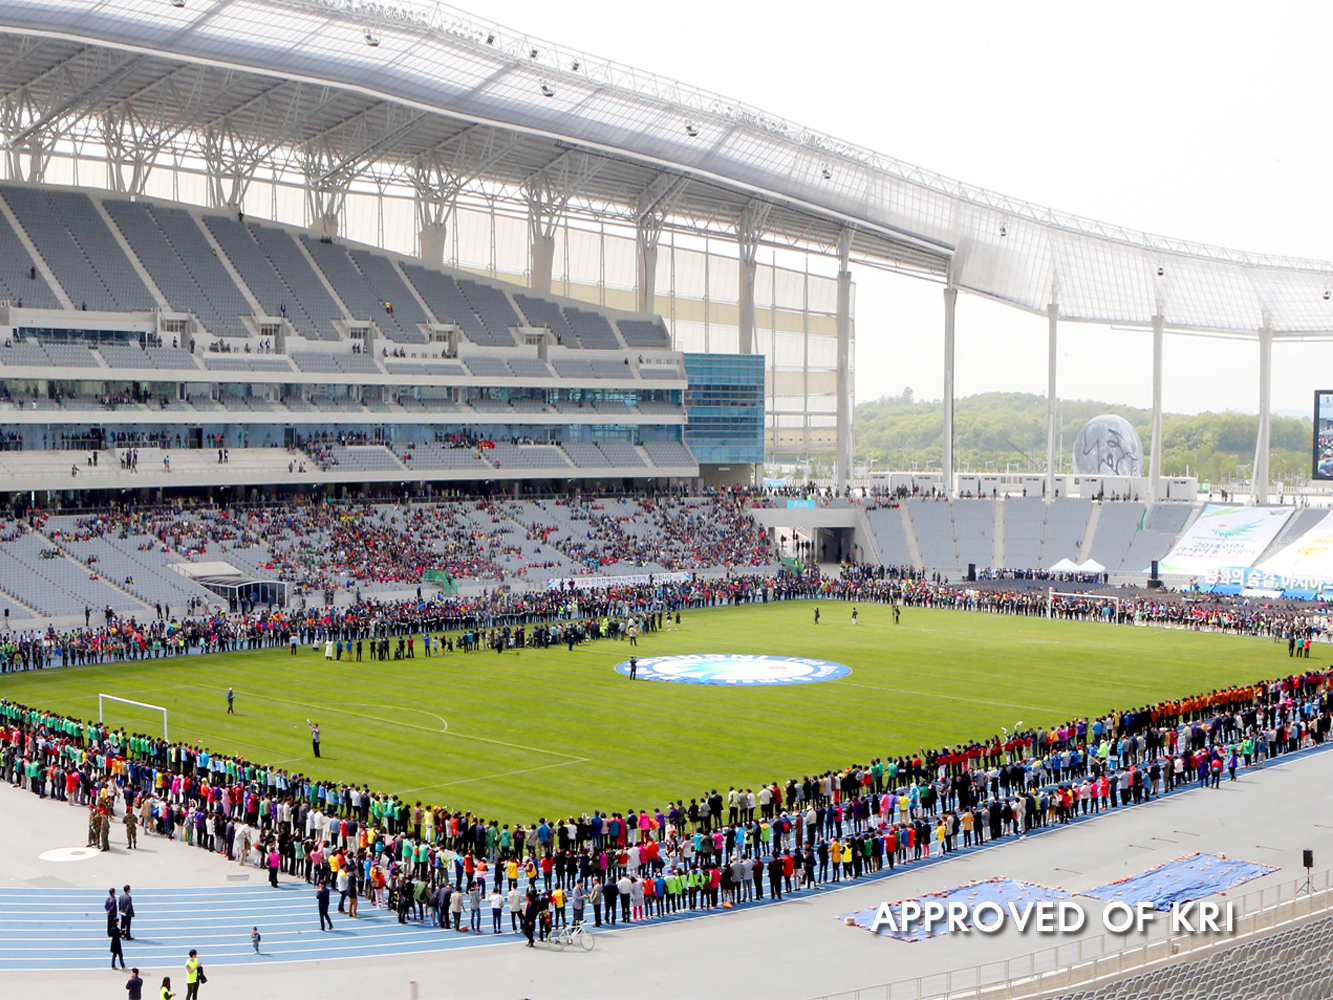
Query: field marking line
[
  {"x": 408, "y": 725},
  {"x": 392, "y": 708},
  {"x": 487, "y": 777},
  {"x": 951, "y": 697}
]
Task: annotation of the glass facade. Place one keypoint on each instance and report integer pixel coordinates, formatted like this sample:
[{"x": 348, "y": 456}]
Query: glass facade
[{"x": 725, "y": 406}]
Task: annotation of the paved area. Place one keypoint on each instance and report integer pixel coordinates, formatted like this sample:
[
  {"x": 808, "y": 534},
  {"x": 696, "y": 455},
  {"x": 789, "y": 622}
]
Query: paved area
[{"x": 51, "y": 912}]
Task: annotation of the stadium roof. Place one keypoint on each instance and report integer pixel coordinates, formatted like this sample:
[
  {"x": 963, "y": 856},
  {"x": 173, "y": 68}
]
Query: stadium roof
[{"x": 338, "y": 84}]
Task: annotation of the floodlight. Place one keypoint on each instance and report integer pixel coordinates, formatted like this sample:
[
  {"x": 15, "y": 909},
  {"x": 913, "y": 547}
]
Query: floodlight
[
  {"x": 371, "y": 39},
  {"x": 547, "y": 91},
  {"x": 691, "y": 131},
  {"x": 532, "y": 54},
  {"x": 490, "y": 39},
  {"x": 828, "y": 174},
  {"x": 575, "y": 67},
  {"x": 178, "y": 3},
  {"x": 1004, "y": 230},
  {"x": 1327, "y": 294},
  {"x": 1160, "y": 270}
]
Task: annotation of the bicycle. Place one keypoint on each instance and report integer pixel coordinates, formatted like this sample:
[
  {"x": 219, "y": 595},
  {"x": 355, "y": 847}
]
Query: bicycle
[{"x": 562, "y": 937}]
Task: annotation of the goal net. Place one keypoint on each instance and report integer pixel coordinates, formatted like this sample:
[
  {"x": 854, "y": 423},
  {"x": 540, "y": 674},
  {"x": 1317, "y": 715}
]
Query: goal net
[
  {"x": 1095, "y": 607},
  {"x": 136, "y": 714}
]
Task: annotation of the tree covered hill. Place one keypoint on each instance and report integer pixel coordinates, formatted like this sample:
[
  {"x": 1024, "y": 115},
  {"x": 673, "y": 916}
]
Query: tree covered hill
[{"x": 999, "y": 430}]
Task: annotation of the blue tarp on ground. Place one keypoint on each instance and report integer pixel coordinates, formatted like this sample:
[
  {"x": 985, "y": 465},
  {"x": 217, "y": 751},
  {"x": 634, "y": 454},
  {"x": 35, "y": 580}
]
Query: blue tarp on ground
[
  {"x": 1193, "y": 876},
  {"x": 996, "y": 890}
]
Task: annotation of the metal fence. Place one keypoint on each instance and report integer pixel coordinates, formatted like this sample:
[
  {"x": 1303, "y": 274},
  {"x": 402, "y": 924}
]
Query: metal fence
[{"x": 1088, "y": 961}]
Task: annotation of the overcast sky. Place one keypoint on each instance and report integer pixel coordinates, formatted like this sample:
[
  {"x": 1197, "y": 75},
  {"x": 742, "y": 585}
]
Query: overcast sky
[{"x": 1204, "y": 121}]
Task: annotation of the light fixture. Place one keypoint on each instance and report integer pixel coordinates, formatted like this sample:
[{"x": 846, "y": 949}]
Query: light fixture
[
  {"x": 1004, "y": 230},
  {"x": 1160, "y": 270},
  {"x": 828, "y": 174},
  {"x": 575, "y": 67},
  {"x": 1327, "y": 294},
  {"x": 691, "y": 131},
  {"x": 547, "y": 91},
  {"x": 490, "y": 39},
  {"x": 178, "y": 3},
  {"x": 372, "y": 40},
  {"x": 532, "y": 54}
]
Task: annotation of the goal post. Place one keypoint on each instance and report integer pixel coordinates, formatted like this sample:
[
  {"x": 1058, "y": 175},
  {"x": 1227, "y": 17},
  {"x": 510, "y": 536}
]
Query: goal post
[
  {"x": 1052, "y": 594},
  {"x": 102, "y": 698}
]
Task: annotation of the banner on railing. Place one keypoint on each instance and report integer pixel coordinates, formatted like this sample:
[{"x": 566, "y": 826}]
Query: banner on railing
[{"x": 609, "y": 582}]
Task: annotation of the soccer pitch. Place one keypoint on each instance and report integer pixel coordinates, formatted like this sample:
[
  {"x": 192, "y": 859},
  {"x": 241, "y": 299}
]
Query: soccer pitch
[{"x": 546, "y": 732}]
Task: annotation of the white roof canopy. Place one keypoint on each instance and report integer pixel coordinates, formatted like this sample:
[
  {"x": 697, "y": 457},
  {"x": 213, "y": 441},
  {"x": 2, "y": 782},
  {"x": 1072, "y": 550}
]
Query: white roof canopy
[{"x": 345, "y": 84}]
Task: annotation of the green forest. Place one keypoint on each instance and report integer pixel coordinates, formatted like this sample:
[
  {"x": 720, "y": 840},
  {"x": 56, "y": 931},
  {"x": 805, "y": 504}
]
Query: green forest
[{"x": 1007, "y": 430}]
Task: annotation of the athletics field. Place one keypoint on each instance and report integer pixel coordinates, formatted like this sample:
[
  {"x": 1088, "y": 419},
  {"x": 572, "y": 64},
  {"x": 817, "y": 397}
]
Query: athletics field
[{"x": 546, "y": 732}]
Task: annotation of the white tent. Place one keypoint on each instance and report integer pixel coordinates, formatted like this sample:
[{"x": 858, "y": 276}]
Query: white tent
[
  {"x": 1092, "y": 566},
  {"x": 1066, "y": 566}
]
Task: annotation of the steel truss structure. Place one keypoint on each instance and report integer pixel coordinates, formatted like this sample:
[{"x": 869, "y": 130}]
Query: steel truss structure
[{"x": 423, "y": 101}]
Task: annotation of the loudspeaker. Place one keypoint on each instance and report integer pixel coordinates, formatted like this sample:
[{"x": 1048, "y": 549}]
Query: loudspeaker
[
  {"x": 1307, "y": 859},
  {"x": 1154, "y": 569},
  {"x": 971, "y": 572}
]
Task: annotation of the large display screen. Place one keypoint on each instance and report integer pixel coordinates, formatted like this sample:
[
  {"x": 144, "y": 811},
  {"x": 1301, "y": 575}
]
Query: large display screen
[{"x": 1323, "y": 434}]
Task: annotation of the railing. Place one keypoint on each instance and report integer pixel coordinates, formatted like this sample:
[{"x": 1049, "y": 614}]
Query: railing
[{"x": 1087, "y": 961}]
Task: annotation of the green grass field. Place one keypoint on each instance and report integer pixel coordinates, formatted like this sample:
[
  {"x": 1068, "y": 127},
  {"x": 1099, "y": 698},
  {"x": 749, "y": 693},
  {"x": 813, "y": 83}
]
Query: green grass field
[{"x": 547, "y": 732}]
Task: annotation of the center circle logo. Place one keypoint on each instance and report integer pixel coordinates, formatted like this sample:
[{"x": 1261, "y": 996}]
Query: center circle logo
[{"x": 735, "y": 669}]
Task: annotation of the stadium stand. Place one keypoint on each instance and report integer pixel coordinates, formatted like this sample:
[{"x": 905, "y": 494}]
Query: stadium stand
[
  {"x": 667, "y": 454},
  {"x": 545, "y": 313},
  {"x": 592, "y": 329},
  {"x": 81, "y": 251},
  {"x": 1066, "y": 522},
  {"x": 1116, "y": 528},
  {"x": 1024, "y": 524},
  {"x": 891, "y": 535},
  {"x": 1294, "y": 964},
  {"x": 934, "y": 534},
  {"x": 492, "y": 308},
  {"x": 171, "y": 273},
  {"x": 644, "y": 333},
  {"x": 20, "y": 280},
  {"x": 974, "y": 525}
]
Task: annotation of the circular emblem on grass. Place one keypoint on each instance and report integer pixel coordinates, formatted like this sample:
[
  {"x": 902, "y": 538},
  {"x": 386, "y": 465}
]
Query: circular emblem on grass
[{"x": 729, "y": 669}]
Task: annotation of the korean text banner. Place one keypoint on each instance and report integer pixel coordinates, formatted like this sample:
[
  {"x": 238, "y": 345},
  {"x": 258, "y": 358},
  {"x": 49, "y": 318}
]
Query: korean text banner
[
  {"x": 1225, "y": 536},
  {"x": 1309, "y": 557}
]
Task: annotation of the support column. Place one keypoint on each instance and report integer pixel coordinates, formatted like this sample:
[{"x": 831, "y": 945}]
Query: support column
[
  {"x": 645, "y": 290},
  {"x": 1259, "y": 482},
  {"x": 843, "y": 461},
  {"x": 745, "y": 303},
  {"x": 1155, "y": 454},
  {"x": 950, "y": 303},
  {"x": 433, "y": 237},
  {"x": 1053, "y": 318},
  {"x": 543, "y": 260},
  {"x": 749, "y": 230}
]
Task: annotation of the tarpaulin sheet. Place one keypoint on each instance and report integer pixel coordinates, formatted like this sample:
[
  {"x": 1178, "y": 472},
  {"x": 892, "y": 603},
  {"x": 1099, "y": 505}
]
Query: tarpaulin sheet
[
  {"x": 996, "y": 890},
  {"x": 1193, "y": 876}
]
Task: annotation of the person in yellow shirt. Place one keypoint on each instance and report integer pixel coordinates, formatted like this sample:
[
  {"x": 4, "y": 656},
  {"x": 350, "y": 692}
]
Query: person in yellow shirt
[
  {"x": 192, "y": 976},
  {"x": 558, "y": 905}
]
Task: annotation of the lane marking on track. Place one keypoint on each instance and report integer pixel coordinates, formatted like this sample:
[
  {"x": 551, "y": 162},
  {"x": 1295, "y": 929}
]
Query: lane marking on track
[
  {"x": 951, "y": 697},
  {"x": 409, "y": 725}
]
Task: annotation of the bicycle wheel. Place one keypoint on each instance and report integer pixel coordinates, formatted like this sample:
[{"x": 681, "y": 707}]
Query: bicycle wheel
[
  {"x": 558, "y": 941},
  {"x": 586, "y": 939}
]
